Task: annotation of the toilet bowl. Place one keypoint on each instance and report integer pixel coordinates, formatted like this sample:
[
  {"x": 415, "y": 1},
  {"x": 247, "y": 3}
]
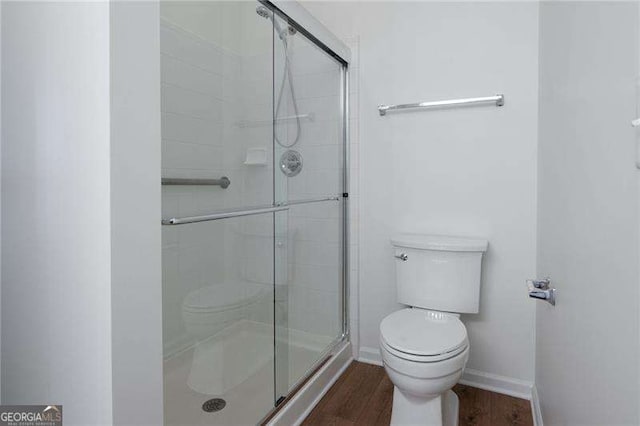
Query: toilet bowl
[
  {"x": 424, "y": 353},
  {"x": 425, "y": 346}
]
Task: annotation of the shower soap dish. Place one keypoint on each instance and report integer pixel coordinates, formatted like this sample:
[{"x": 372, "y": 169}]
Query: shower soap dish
[{"x": 256, "y": 157}]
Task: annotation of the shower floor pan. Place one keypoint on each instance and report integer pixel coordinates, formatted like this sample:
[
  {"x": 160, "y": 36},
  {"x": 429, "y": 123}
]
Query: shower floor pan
[{"x": 235, "y": 365}]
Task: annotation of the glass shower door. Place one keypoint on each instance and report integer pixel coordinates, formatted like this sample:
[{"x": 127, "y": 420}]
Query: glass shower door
[
  {"x": 308, "y": 177},
  {"x": 218, "y": 273}
]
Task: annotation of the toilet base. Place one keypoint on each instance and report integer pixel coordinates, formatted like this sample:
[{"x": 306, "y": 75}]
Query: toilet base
[
  {"x": 441, "y": 410},
  {"x": 450, "y": 407}
]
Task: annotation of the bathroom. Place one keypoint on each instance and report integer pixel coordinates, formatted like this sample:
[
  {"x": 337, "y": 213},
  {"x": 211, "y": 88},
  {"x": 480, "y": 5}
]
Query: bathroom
[{"x": 212, "y": 212}]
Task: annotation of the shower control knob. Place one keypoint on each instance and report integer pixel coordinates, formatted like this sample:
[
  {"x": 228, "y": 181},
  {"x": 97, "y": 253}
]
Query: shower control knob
[
  {"x": 402, "y": 256},
  {"x": 291, "y": 163}
]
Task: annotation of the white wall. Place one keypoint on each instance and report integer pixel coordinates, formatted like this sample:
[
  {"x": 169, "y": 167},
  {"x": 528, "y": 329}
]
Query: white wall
[
  {"x": 462, "y": 171},
  {"x": 56, "y": 261},
  {"x": 81, "y": 323},
  {"x": 136, "y": 293},
  {"x": 587, "y": 347},
  {"x": 0, "y": 202}
]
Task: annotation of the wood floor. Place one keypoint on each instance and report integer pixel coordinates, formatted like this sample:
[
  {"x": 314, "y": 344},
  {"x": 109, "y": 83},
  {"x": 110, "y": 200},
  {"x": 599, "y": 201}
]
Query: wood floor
[{"x": 363, "y": 396}]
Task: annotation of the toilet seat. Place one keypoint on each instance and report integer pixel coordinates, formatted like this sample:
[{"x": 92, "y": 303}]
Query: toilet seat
[{"x": 422, "y": 335}]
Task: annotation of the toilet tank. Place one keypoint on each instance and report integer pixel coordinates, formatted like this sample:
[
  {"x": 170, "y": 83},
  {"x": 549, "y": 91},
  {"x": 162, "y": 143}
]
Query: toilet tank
[{"x": 439, "y": 272}]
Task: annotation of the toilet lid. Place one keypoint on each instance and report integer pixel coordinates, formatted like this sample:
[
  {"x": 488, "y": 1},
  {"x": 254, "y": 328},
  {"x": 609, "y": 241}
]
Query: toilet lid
[
  {"x": 422, "y": 332},
  {"x": 223, "y": 296}
]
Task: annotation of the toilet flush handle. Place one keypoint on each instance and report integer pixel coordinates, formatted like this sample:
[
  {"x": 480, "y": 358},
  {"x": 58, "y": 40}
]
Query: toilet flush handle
[
  {"x": 402, "y": 256},
  {"x": 541, "y": 289}
]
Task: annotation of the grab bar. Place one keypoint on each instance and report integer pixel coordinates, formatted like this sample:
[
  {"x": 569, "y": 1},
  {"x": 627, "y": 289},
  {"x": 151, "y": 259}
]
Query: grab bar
[
  {"x": 222, "y": 215},
  {"x": 497, "y": 99},
  {"x": 223, "y": 182}
]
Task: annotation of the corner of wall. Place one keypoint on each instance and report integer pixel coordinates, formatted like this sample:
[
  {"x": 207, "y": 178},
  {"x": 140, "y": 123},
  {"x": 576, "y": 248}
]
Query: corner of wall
[
  {"x": 535, "y": 407},
  {"x": 499, "y": 384},
  {"x": 370, "y": 356}
]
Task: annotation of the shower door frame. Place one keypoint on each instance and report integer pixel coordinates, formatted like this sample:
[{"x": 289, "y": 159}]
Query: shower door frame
[{"x": 297, "y": 17}]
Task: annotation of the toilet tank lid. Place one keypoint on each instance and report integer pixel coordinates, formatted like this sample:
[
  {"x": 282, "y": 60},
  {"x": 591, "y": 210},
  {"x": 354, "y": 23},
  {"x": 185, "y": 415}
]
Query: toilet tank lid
[{"x": 439, "y": 242}]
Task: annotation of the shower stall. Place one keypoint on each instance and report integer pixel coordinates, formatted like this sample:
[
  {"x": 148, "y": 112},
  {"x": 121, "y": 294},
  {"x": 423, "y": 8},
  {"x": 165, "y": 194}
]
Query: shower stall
[{"x": 254, "y": 200}]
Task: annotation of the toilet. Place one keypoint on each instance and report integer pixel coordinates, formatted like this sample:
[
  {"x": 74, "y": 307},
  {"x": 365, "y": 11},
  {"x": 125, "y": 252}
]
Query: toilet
[{"x": 424, "y": 346}]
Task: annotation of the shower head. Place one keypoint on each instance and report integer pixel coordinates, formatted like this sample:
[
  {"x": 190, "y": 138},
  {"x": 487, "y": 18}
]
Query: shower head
[{"x": 263, "y": 11}]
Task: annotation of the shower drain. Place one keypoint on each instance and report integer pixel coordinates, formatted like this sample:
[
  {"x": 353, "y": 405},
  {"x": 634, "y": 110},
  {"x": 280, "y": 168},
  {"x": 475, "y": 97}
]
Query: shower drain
[{"x": 213, "y": 405}]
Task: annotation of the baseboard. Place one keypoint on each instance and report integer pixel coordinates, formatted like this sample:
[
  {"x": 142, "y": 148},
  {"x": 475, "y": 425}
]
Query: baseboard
[
  {"x": 535, "y": 407},
  {"x": 495, "y": 383},
  {"x": 370, "y": 355},
  {"x": 477, "y": 379},
  {"x": 301, "y": 404}
]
